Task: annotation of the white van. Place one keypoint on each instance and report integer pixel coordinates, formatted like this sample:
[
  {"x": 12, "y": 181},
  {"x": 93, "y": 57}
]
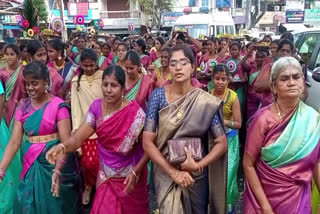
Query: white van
[{"x": 201, "y": 24}]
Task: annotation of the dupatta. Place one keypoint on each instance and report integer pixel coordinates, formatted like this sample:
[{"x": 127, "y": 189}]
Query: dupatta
[
  {"x": 11, "y": 83},
  {"x": 199, "y": 107}
]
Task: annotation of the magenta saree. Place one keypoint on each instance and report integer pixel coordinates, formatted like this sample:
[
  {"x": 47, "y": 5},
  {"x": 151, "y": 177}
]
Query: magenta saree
[
  {"x": 119, "y": 151},
  {"x": 285, "y": 159}
]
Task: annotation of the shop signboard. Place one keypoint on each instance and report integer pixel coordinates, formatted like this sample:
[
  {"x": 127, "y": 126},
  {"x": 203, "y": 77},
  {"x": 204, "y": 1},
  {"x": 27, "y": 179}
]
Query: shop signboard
[
  {"x": 294, "y": 16},
  {"x": 312, "y": 16}
]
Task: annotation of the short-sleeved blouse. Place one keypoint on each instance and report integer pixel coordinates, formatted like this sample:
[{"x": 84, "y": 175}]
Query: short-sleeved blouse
[
  {"x": 158, "y": 101},
  {"x": 94, "y": 116},
  {"x": 25, "y": 109}
]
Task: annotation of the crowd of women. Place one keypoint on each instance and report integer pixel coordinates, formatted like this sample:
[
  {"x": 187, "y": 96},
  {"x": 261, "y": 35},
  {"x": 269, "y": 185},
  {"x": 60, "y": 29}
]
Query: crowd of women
[{"x": 114, "y": 121}]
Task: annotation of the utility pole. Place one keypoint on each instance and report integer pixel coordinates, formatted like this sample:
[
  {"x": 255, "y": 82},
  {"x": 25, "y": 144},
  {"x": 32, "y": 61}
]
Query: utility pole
[{"x": 64, "y": 30}]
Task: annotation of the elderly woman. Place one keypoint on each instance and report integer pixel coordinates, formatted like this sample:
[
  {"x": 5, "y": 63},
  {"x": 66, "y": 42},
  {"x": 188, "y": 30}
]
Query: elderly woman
[
  {"x": 282, "y": 148},
  {"x": 180, "y": 116}
]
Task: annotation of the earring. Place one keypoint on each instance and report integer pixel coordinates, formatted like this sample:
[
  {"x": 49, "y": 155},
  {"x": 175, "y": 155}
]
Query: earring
[
  {"x": 47, "y": 88},
  {"x": 59, "y": 57}
]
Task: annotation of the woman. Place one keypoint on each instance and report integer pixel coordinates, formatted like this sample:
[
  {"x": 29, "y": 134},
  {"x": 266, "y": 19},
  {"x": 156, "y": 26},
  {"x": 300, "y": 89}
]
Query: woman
[
  {"x": 232, "y": 120},
  {"x": 81, "y": 45},
  {"x": 122, "y": 180},
  {"x": 274, "y": 47},
  {"x": 66, "y": 68},
  {"x": 138, "y": 86},
  {"x": 121, "y": 53},
  {"x": 9, "y": 184},
  {"x": 37, "y": 51},
  {"x": 162, "y": 75},
  {"x": 106, "y": 50},
  {"x": 280, "y": 159},
  {"x": 12, "y": 80},
  {"x": 45, "y": 120},
  {"x": 115, "y": 42},
  {"x": 86, "y": 87},
  {"x": 102, "y": 62},
  {"x": 174, "y": 112},
  {"x": 156, "y": 51},
  {"x": 140, "y": 48}
]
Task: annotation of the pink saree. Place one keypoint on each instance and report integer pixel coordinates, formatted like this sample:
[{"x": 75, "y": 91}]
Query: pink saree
[
  {"x": 119, "y": 151},
  {"x": 56, "y": 82},
  {"x": 285, "y": 159}
]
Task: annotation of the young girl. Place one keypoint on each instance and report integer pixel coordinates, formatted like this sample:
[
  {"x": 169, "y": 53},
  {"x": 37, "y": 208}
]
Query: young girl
[
  {"x": 45, "y": 120},
  {"x": 121, "y": 53},
  {"x": 106, "y": 50},
  {"x": 67, "y": 69},
  {"x": 102, "y": 62},
  {"x": 156, "y": 51},
  {"x": 140, "y": 48},
  {"x": 38, "y": 52},
  {"x": 138, "y": 86},
  {"x": 81, "y": 44},
  {"x": 12, "y": 80},
  {"x": 86, "y": 87},
  {"x": 232, "y": 120}
]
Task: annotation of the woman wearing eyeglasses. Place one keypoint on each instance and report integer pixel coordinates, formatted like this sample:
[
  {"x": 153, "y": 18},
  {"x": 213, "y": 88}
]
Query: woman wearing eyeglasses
[{"x": 185, "y": 138}]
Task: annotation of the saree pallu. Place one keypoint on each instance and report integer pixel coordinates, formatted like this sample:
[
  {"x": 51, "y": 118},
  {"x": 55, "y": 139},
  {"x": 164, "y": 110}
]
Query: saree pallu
[
  {"x": 233, "y": 164},
  {"x": 285, "y": 166},
  {"x": 10, "y": 182},
  {"x": 209, "y": 190},
  {"x": 56, "y": 82},
  {"x": 34, "y": 192},
  {"x": 141, "y": 91},
  {"x": 253, "y": 97},
  {"x": 103, "y": 62},
  {"x": 119, "y": 152},
  {"x": 15, "y": 91}
]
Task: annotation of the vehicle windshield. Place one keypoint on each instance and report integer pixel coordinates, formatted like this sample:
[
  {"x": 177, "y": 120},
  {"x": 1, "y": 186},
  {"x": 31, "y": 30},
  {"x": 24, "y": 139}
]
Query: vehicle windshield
[{"x": 196, "y": 31}]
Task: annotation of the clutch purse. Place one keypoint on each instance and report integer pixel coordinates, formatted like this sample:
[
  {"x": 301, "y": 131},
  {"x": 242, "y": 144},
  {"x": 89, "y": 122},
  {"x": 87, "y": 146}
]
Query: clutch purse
[{"x": 177, "y": 155}]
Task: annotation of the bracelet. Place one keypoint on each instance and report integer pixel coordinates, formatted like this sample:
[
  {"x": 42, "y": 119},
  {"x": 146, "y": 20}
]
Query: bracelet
[
  {"x": 64, "y": 148},
  {"x": 2, "y": 173},
  {"x": 135, "y": 175},
  {"x": 231, "y": 124},
  {"x": 56, "y": 171}
]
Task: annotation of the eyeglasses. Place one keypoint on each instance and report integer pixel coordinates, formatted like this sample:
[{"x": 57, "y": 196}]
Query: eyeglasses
[{"x": 182, "y": 62}]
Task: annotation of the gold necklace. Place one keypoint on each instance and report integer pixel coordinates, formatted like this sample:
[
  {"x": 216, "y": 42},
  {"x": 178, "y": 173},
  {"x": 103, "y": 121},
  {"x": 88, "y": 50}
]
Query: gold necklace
[
  {"x": 58, "y": 67},
  {"x": 279, "y": 113},
  {"x": 180, "y": 112},
  {"x": 90, "y": 79}
]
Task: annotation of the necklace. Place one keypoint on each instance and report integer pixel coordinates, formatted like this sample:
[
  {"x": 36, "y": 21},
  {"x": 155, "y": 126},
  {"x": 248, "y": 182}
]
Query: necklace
[
  {"x": 180, "y": 112},
  {"x": 279, "y": 113},
  {"x": 105, "y": 109},
  {"x": 58, "y": 67},
  {"x": 222, "y": 96},
  {"x": 90, "y": 79}
]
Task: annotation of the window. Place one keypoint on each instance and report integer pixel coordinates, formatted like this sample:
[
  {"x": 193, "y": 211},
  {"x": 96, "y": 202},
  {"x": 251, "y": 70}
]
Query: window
[
  {"x": 308, "y": 45},
  {"x": 229, "y": 29},
  {"x": 220, "y": 29},
  {"x": 317, "y": 64},
  {"x": 212, "y": 33},
  {"x": 196, "y": 31}
]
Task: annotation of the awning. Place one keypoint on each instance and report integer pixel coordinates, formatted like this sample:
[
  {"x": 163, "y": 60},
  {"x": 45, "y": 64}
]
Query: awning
[{"x": 11, "y": 27}]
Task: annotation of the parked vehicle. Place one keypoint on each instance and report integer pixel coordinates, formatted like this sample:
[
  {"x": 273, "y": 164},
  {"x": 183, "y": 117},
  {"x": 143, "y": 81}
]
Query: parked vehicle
[
  {"x": 201, "y": 24},
  {"x": 308, "y": 47}
]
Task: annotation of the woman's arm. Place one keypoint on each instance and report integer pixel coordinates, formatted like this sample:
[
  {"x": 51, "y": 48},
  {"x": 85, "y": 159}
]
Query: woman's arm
[
  {"x": 196, "y": 43},
  {"x": 316, "y": 175},
  {"x": 13, "y": 145},
  {"x": 255, "y": 184},
  {"x": 71, "y": 144},
  {"x": 235, "y": 123},
  {"x": 262, "y": 82}
]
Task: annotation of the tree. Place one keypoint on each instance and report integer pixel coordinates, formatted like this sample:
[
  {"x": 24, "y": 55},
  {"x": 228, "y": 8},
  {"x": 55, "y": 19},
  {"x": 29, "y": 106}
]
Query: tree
[
  {"x": 154, "y": 8},
  {"x": 260, "y": 7},
  {"x": 35, "y": 11}
]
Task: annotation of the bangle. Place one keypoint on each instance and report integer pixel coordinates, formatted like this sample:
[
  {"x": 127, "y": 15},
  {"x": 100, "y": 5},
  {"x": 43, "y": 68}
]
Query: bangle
[
  {"x": 2, "y": 173},
  {"x": 135, "y": 175},
  {"x": 231, "y": 124},
  {"x": 63, "y": 147},
  {"x": 56, "y": 171}
]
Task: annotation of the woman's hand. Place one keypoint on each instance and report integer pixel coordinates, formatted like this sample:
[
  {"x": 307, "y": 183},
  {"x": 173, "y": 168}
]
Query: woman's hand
[
  {"x": 55, "y": 153},
  {"x": 131, "y": 181},
  {"x": 183, "y": 178},
  {"x": 55, "y": 187},
  {"x": 189, "y": 164}
]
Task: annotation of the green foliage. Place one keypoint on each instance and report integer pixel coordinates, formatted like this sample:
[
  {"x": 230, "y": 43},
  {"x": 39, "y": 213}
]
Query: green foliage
[{"x": 34, "y": 9}]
